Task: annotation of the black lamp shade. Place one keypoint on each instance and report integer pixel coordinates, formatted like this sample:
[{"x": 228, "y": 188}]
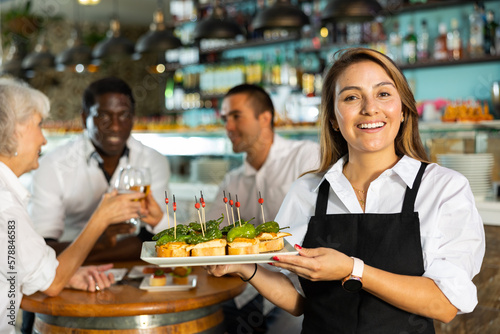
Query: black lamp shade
[
  {"x": 157, "y": 41},
  {"x": 113, "y": 47},
  {"x": 217, "y": 28},
  {"x": 12, "y": 63},
  {"x": 38, "y": 60},
  {"x": 281, "y": 15},
  {"x": 78, "y": 54},
  {"x": 351, "y": 11}
]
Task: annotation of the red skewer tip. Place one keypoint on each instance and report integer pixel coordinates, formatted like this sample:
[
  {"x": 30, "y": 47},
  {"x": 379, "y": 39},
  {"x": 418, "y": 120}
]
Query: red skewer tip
[
  {"x": 237, "y": 204},
  {"x": 231, "y": 202},
  {"x": 261, "y": 200},
  {"x": 197, "y": 205}
]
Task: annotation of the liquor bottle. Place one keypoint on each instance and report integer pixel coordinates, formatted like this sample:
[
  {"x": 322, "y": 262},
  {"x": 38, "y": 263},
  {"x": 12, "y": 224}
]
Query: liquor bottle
[
  {"x": 454, "y": 42},
  {"x": 410, "y": 46},
  {"x": 395, "y": 44},
  {"x": 440, "y": 47},
  {"x": 489, "y": 33},
  {"x": 476, "y": 35},
  {"x": 423, "y": 43},
  {"x": 276, "y": 69}
]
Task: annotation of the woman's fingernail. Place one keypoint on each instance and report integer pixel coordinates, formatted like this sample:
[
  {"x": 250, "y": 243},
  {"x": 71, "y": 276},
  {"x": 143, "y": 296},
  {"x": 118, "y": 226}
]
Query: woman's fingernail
[
  {"x": 298, "y": 246},
  {"x": 270, "y": 263},
  {"x": 275, "y": 258}
]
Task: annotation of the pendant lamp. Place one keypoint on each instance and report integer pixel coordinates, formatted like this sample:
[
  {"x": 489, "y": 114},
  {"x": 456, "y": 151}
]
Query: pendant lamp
[
  {"x": 281, "y": 15},
  {"x": 41, "y": 57},
  {"x": 351, "y": 11},
  {"x": 114, "y": 46},
  {"x": 158, "y": 39},
  {"x": 12, "y": 64},
  {"x": 77, "y": 53},
  {"x": 217, "y": 26}
]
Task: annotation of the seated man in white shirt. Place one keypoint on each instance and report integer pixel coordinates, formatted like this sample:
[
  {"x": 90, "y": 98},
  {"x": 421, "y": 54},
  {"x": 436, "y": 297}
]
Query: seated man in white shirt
[
  {"x": 71, "y": 179},
  {"x": 271, "y": 164}
]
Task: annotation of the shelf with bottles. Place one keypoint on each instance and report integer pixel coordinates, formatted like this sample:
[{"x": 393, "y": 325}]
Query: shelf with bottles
[{"x": 400, "y": 7}]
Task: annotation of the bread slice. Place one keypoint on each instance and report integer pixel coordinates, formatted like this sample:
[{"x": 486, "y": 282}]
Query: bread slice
[
  {"x": 172, "y": 249},
  {"x": 158, "y": 280},
  {"x": 271, "y": 242},
  {"x": 241, "y": 246},
  {"x": 210, "y": 248}
]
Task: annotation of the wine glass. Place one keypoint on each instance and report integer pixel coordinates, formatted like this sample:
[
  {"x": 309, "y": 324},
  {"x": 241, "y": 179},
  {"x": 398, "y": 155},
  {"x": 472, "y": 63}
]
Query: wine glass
[{"x": 134, "y": 179}]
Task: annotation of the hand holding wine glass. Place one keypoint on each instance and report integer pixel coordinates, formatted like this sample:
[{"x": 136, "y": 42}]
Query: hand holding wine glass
[{"x": 131, "y": 179}]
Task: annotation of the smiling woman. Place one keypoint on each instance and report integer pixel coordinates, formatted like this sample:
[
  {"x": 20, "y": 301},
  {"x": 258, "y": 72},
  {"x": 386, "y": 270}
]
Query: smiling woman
[
  {"x": 20, "y": 125},
  {"x": 378, "y": 229},
  {"x": 31, "y": 264}
]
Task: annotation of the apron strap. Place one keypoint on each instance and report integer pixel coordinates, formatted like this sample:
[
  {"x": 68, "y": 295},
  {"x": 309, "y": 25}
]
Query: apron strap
[
  {"x": 322, "y": 200},
  {"x": 411, "y": 194}
]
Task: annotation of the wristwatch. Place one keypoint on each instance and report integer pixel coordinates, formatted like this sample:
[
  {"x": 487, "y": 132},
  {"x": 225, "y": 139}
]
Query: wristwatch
[{"x": 353, "y": 282}]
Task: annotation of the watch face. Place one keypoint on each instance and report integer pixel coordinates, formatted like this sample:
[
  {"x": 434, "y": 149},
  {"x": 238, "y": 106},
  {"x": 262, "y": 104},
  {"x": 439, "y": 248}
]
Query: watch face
[{"x": 353, "y": 284}]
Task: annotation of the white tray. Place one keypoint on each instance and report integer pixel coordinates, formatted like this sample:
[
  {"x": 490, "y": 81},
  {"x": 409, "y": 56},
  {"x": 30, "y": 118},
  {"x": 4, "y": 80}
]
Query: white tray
[
  {"x": 169, "y": 286},
  {"x": 148, "y": 254}
]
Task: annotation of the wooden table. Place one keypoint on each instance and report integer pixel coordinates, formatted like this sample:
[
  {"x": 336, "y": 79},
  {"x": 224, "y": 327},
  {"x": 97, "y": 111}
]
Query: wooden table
[{"x": 124, "y": 308}]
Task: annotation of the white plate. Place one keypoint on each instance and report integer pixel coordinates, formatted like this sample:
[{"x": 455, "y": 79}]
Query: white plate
[
  {"x": 169, "y": 286},
  {"x": 118, "y": 273},
  {"x": 137, "y": 272},
  {"x": 148, "y": 254}
]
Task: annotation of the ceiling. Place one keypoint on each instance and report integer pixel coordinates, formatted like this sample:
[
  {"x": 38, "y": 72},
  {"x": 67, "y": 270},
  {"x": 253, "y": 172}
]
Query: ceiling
[{"x": 133, "y": 12}]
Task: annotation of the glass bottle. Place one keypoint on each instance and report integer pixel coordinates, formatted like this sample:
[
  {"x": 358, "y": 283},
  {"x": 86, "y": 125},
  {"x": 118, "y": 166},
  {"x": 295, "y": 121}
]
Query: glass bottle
[
  {"x": 476, "y": 34},
  {"x": 440, "y": 47},
  {"x": 423, "y": 42},
  {"x": 410, "y": 46},
  {"x": 454, "y": 42},
  {"x": 489, "y": 33},
  {"x": 395, "y": 44}
]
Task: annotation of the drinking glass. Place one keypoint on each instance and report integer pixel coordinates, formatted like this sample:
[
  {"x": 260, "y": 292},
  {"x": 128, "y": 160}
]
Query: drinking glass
[{"x": 132, "y": 179}]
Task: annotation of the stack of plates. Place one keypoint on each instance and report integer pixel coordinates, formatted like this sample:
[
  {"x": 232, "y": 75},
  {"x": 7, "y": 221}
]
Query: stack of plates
[{"x": 475, "y": 167}]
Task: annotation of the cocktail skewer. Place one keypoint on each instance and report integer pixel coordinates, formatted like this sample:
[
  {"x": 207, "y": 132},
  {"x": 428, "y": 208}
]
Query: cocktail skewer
[
  {"x": 197, "y": 206},
  {"x": 227, "y": 211},
  {"x": 174, "y": 206},
  {"x": 166, "y": 203},
  {"x": 231, "y": 205},
  {"x": 202, "y": 201},
  {"x": 261, "y": 202},
  {"x": 237, "y": 204}
]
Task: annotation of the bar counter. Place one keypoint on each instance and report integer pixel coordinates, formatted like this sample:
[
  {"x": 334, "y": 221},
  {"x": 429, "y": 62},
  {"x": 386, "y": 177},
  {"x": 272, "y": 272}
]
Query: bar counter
[{"x": 125, "y": 308}]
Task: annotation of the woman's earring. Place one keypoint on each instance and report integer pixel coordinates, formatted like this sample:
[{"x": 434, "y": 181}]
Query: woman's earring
[
  {"x": 402, "y": 119},
  {"x": 15, "y": 153}
]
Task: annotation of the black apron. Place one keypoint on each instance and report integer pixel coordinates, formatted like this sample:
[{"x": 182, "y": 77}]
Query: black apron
[{"x": 390, "y": 242}]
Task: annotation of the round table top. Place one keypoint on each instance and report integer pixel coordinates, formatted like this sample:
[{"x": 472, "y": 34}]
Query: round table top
[{"x": 126, "y": 299}]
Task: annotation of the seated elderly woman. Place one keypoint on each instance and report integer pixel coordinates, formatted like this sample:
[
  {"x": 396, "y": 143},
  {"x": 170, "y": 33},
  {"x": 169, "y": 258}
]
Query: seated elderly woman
[{"x": 29, "y": 265}]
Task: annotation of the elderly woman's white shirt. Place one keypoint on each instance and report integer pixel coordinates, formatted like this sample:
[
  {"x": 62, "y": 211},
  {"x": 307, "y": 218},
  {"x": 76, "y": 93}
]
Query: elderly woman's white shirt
[
  {"x": 451, "y": 229},
  {"x": 35, "y": 263}
]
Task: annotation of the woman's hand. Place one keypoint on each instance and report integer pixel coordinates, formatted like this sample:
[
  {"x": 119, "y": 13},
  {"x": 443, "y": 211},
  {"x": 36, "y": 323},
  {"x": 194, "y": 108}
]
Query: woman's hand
[
  {"x": 91, "y": 278},
  {"x": 317, "y": 264},
  {"x": 117, "y": 208},
  {"x": 237, "y": 269},
  {"x": 154, "y": 214}
]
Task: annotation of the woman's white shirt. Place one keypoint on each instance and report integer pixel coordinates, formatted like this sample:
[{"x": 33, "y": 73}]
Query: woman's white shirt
[
  {"x": 33, "y": 265},
  {"x": 451, "y": 229}
]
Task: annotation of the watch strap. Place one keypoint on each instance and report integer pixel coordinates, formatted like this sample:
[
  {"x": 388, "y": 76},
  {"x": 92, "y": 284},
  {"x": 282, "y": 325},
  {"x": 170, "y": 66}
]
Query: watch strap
[{"x": 358, "y": 267}]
